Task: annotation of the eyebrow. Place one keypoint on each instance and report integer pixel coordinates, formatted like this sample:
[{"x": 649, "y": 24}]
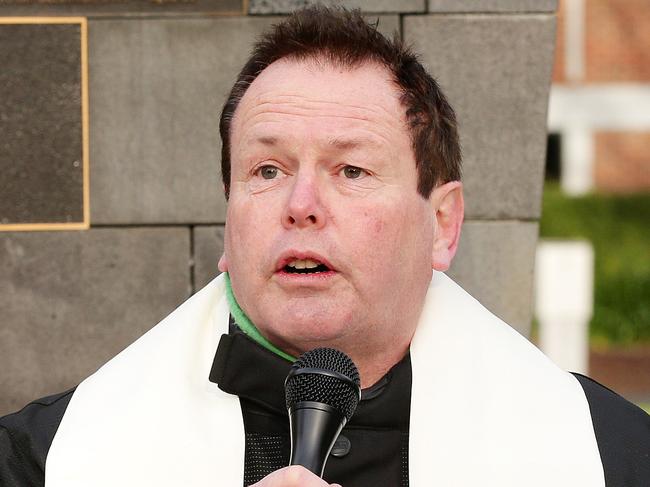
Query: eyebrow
[
  {"x": 336, "y": 142},
  {"x": 267, "y": 140},
  {"x": 346, "y": 144}
]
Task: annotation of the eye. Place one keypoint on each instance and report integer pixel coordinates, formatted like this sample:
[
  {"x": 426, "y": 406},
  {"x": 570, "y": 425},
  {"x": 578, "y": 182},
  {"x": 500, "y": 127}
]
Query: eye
[
  {"x": 353, "y": 172},
  {"x": 268, "y": 172}
]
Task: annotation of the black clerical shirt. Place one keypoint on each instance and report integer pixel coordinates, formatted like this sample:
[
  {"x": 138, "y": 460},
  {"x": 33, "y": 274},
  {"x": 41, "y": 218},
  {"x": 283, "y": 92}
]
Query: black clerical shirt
[{"x": 373, "y": 447}]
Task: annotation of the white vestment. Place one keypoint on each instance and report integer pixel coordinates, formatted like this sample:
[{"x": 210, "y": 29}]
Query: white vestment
[{"x": 487, "y": 407}]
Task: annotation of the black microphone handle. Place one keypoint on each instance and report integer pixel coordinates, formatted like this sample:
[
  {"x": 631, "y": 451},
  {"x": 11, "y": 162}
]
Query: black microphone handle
[{"x": 315, "y": 426}]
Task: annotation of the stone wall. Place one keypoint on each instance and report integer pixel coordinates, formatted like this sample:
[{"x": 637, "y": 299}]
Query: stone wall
[{"x": 158, "y": 75}]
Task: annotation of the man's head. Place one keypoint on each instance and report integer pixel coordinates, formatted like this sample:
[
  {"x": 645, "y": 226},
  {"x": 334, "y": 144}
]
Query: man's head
[
  {"x": 333, "y": 225},
  {"x": 344, "y": 39}
]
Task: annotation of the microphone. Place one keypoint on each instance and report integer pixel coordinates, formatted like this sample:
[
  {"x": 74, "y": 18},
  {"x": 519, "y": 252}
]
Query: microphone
[{"x": 322, "y": 391}]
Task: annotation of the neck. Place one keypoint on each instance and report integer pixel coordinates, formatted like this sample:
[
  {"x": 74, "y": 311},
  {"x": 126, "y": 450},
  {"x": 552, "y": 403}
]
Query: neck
[
  {"x": 372, "y": 370},
  {"x": 373, "y": 358}
]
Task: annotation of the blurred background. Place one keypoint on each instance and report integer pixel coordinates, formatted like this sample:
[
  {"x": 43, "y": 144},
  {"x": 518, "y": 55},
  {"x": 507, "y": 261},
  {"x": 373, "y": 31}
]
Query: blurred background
[
  {"x": 112, "y": 213},
  {"x": 597, "y": 182}
]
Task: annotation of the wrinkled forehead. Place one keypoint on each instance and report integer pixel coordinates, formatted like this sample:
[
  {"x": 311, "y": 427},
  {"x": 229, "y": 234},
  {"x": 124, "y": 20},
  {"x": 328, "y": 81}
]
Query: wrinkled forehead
[{"x": 323, "y": 85}]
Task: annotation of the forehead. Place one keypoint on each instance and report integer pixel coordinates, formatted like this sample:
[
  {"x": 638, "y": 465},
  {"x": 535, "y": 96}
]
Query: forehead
[{"x": 318, "y": 92}]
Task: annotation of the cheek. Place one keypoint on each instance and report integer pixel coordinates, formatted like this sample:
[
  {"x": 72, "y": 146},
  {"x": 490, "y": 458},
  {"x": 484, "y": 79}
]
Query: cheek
[
  {"x": 374, "y": 222},
  {"x": 244, "y": 233},
  {"x": 378, "y": 237},
  {"x": 378, "y": 226},
  {"x": 399, "y": 235}
]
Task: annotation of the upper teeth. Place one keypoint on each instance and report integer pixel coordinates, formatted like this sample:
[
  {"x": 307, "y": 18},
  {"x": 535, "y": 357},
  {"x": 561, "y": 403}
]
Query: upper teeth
[{"x": 303, "y": 264}]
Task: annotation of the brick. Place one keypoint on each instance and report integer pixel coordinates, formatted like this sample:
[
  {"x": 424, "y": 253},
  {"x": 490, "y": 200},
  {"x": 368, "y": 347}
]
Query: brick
[
  {"x": 495, "y": 263},
  {"x": 72, "y": 300},
  {"x": 621, "y": 161},
  {"x": 121, "y": 7},
  {"x": 41, "y": 156},
  {"x": 207, "y": 249},
  {"x": 157, "y": 87},
  {"x": 378, "y": 6},
  {"x": 616, "y": 40},
  {"x": 559, "y": 68},
  {"x": 492, "y": 6},
  {"x": 496, "y": 71}
]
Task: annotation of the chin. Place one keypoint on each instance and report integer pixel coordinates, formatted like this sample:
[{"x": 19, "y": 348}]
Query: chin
[{"x": 303, "y": 331}]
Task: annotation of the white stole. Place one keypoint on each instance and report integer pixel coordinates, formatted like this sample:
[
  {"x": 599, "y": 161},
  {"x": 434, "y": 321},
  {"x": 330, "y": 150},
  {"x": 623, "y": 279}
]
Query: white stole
[{"x": 487, "y": 408}]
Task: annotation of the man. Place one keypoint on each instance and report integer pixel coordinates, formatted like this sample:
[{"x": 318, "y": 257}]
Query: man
[{"x": 342, "y": 166}]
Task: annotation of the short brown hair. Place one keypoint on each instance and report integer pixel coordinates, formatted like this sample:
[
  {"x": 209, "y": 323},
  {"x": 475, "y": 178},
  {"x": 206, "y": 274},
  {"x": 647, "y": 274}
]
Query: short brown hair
[{"x": 344, "y": 38}]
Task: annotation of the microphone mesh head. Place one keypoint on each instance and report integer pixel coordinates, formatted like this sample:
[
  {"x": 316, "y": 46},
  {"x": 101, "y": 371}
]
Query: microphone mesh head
[{"x": 318, "y": 387}]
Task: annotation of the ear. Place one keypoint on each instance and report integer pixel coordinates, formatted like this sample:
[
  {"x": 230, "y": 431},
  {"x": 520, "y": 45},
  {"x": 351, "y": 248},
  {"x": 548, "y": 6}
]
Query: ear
[
  {"x": 223, "y": 263},
  {"x": 449, "y": 210}
]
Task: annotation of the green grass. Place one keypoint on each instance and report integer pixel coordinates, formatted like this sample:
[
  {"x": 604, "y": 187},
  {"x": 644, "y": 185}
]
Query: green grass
[{"x": 619, "y": 229}]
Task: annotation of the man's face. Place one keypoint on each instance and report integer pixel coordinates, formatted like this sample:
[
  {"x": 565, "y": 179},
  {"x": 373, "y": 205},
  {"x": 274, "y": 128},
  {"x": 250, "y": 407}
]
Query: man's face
[{"x": 327, "y": 241}]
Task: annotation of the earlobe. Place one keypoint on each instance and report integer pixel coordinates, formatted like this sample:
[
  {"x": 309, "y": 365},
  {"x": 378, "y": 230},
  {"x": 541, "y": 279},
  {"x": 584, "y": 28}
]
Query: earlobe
[
  {"x": 223, "y": 263},
  {"x": 449, "y": 209}
]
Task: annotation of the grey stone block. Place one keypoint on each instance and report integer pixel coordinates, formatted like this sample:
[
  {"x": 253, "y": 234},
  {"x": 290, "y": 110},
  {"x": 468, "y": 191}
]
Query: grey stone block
[
  {"x": 207, "y": 249},
  {"x": 492, "y": 5},
  {"x": 386, "y": 24},
  {"x": 496, "y": 71},
  {"x": 120, "y": 7},
  {"x": 72, "y": 300},
  {"x": 41, "y": 156},
  {"x": 495, "y": 263},
  {"x": 157, "y": 87},
  {"x": 378, "y": 6}
]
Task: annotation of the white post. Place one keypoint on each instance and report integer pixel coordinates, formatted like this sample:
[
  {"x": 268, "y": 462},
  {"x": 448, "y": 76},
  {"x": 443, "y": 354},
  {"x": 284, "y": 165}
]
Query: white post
[
  {"x": 574, "y": 40},
  {"x": 564, "y": 282},
  {"x": 577, "y": 171}
]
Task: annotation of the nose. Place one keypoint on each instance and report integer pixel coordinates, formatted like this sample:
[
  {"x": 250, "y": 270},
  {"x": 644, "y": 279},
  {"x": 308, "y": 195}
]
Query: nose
[{"x": 304, "y": 207}]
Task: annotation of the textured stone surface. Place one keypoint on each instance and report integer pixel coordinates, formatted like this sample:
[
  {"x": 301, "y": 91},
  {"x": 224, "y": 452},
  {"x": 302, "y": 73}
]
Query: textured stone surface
[
  {"x": 492, "y": 5},
  {"x": 156, "y": 88},
  {"x": 207, "y": 249},
  {"x": 72, "y": 300},
  {"x": 113, "y": 7},
  {"x": 496, "y": 71},
  {"x": 286, "y": 6},
  {"x": 495, "y": 263},
  {"x": 386, "y": 24},
  {"x": 41, "y": 170}
]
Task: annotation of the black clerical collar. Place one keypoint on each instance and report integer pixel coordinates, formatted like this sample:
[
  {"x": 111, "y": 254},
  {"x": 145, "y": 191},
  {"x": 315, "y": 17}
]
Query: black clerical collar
[{"x": 246, "y": 369}]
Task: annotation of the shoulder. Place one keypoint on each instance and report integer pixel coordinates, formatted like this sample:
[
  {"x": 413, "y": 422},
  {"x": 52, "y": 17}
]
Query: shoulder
[
  {"x": 623, "y": 434},
  {"x": 25, "y": 439}
]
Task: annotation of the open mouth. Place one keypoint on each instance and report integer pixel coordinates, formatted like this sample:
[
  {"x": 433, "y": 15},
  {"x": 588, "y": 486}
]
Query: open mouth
[{"x": 305, "y": 266}]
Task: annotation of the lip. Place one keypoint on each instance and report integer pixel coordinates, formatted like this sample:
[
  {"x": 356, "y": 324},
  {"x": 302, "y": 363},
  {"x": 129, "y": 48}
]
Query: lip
[{"x": 291, "y": 255}]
